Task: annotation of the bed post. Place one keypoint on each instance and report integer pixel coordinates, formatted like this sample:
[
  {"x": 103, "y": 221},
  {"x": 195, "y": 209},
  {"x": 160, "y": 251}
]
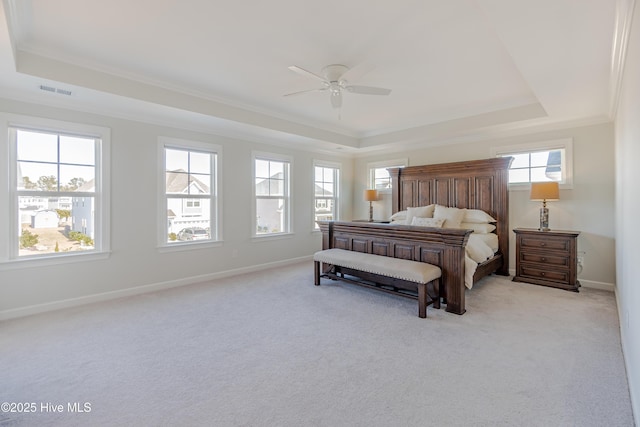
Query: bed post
[
  {"x": 394, "y": 173},
  {"x": 502, "y": 192},
  {"x": 326, "y": 227},
  {"x": 453, "y": 277}
]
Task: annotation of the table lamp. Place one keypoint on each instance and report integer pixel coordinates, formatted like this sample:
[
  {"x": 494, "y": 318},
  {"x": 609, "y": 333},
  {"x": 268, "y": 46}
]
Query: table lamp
[
  {"x": 370, "y": 196},
  {"x": 544, "y": 191}
]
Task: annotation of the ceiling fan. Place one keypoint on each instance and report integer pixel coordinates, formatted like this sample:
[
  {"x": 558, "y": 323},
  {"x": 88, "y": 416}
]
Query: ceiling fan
[{"x": 335, "y": 79}]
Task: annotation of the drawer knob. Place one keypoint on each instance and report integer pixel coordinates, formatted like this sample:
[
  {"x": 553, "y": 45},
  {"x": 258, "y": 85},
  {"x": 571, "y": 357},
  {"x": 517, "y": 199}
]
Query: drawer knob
[
  {"x": 543, "y": 259},
  {"x": 543, "y": 273},
  {"x": 543, "y": 244}
]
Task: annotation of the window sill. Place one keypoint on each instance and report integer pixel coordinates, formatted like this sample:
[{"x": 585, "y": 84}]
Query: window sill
[
  {"x": 266, "y": 237},
  {"x": 177, "y": 247},
  {"x": 48, "y": 260},
  {"x": 527, "y": 186}
]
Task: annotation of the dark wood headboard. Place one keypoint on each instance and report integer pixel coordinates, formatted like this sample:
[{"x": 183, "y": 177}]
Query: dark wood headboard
[{"x": 475, "y": 184}]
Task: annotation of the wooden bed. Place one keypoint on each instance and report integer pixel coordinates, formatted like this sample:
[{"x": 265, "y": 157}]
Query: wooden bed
[{"x": 477, "y": 184}]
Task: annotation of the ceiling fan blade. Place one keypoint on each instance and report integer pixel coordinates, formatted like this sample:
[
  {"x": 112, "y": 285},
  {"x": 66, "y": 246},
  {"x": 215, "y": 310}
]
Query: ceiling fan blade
[
  {"x": 353, "y": 74},
  {"x": 336, "y": 99},
  {"x": 305, "y": 91},
  {"x": 306, "y": 73},
  {"x": 368, "y": 90}
]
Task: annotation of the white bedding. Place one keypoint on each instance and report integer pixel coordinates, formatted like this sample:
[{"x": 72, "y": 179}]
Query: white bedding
[
  {"x": 480, "y": 247},
  {"x": 490, "y": 239}
]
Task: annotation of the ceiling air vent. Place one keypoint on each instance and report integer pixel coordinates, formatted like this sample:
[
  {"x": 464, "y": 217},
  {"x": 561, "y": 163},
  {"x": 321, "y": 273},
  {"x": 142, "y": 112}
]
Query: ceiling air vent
[
  {"x": 55, "y": 90},
  {"x": 47, "y": 88}
]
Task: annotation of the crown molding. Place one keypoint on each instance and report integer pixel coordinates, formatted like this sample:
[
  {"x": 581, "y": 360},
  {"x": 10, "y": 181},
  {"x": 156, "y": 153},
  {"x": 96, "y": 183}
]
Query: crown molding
[
  {"x": 622, "y": 31},
  {"x": 60, "y": 71},
  {"x": 11, "y": 14},
  {"x": 508, "y": 130}
]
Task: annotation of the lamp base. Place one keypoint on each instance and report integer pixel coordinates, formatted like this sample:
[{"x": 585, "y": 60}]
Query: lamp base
[
  {"x": 544, "y": 219},
  {"x": 370, "y": 211}
]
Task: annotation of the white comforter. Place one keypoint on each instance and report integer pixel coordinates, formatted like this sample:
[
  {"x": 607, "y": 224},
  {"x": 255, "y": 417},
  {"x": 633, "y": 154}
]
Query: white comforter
[{"x": 480, "y": 247}]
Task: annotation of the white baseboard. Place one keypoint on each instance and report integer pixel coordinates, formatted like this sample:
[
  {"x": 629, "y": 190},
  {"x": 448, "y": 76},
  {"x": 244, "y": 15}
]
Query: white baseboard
[
  {"x": 106, "y": 296},
  {"x": 611, "y": 287}
]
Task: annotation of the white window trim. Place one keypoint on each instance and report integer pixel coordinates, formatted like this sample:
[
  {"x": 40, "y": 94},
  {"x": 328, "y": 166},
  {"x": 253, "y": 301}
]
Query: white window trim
[
  {"x": 263, "y": 155},
  {"x": 325, "y": 164},
  {"x": 383, "y": 164},
  {"x": 564, "y": 143},
  {"x": 216, "y": 208},
  {"x": 8, "y": 252}
]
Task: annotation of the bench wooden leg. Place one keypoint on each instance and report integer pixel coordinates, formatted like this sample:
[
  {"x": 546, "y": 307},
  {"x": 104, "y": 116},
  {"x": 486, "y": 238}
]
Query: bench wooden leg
[
  {"x": 436, "y": 288},
  {"x": 316, "y": 274},
  {"x": 422, "y": 300}
]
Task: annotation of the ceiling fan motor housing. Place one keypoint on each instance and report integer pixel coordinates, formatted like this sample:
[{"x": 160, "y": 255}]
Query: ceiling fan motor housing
[{"x": 333, "y": 72}]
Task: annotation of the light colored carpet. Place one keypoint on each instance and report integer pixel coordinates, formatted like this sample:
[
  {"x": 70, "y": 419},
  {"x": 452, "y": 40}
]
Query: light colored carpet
[{"x": 271, "y": 349}]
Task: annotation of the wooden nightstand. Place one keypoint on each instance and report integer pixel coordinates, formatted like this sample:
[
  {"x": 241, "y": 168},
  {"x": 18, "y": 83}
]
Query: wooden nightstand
[{"x": 547, "y": 258}]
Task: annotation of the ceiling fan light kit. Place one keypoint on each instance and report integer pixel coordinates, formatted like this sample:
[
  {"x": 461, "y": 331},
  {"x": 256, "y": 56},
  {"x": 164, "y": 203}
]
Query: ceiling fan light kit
[{"x": 335, "y": 79}]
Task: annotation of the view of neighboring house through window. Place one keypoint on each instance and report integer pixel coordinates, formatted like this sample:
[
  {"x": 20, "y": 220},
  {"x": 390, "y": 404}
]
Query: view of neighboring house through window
[
  {"x": 190, "y": 194},
  {"x": 57, "y": 192},
  {"x": 537, "y": 166},
  {"x": 379, "y": 177},
  {"x": 537, "y": 162},
  {"x": 326, "y": 185},
  {"x": 272, "y": 204}
]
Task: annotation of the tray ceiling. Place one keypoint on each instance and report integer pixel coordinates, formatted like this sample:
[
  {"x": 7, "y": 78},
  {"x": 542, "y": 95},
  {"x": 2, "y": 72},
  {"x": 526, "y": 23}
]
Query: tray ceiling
[{"x": 456, "y": 68}]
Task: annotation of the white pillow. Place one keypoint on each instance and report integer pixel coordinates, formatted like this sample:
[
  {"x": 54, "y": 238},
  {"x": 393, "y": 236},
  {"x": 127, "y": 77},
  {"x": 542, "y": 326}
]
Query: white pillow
[
  {"x": 477, "y": 216},
  {"x": 478, "y": 228},
  {"x": 477, "y": 249},
  {"x": 399, "y": 215},
  {"x": 427, "y": 222},
  {"x": 421, "y": 212},
  {"x": 452, "y": 216},
  {"x": 398, "y": 222}
]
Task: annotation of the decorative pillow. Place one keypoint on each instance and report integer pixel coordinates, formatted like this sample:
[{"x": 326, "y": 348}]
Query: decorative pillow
[
  {"x": 421, "y": 212},
  {"x": 478, "y": 228},
  {"x": 399, "y": 215},
  {"x": 452, "y": 216},
  {"x": 427, "y": 222},
  {"x": 477, "y": 216},
  {"x": 398, "y": 222}
]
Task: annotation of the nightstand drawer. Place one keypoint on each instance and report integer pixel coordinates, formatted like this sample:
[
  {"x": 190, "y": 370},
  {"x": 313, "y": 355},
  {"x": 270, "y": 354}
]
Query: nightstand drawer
[
  {"x": 535, "y": 272},
  {"x": 545, "y": 243},
  {"x": 555, "y": 260}
]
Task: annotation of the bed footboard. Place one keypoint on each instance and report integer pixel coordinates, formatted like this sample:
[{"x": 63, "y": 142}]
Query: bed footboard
[{"x": 444, "y": 248}]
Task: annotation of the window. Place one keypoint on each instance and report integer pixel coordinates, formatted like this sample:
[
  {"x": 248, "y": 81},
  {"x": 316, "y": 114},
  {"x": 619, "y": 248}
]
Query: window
[
  {"x": 272, "y": 194},
  {"x": 189, "y": 202},
  {"x": 58, "y": 194},
  {"x": 379, "y": 177},
  {"x": 326, "y": 183},
  {"x": 545, "y": 161}
]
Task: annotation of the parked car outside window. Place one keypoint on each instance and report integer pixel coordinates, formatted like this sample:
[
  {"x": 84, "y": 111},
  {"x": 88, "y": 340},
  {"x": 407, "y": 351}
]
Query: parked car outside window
[{"x": 193, "y": 233}]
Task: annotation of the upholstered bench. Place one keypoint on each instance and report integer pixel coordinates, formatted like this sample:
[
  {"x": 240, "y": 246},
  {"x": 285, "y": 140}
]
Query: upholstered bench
[{"x": 395, "y": 272}]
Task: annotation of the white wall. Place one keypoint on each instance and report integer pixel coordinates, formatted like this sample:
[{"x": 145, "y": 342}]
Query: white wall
[
  {"x": 588, "y": 207},
  {"x": 627, "y": 135},
  {"x": 135, "y": 260}
]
